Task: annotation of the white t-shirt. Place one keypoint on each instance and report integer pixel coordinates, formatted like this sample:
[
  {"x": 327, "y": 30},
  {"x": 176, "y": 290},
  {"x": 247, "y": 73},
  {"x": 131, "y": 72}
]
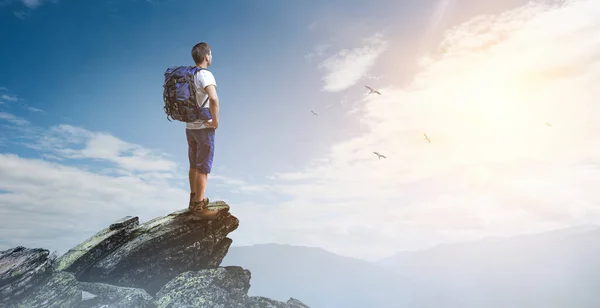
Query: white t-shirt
[{"x": 202, "y": 79}]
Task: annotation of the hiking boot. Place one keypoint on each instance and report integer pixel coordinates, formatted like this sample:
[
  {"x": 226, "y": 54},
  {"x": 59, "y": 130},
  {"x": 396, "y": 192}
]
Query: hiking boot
[
  {"x": 198, "y": 205},
  {"x": 200, "y": 209},
  {"x": 206, "y": 213}
]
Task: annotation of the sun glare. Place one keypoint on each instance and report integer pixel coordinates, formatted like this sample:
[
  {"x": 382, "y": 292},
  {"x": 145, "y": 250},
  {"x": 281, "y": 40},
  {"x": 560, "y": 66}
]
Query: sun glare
[{"x": 494, "y": 119}]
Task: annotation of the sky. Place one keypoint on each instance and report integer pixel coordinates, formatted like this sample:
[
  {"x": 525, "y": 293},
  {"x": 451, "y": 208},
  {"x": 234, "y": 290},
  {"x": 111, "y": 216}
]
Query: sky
[{"x": 506, "y": 93}]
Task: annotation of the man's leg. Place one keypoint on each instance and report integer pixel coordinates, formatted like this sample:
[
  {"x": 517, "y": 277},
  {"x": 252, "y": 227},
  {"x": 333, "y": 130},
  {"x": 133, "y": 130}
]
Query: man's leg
[
  {"x": 192, "y": 176},
  {"x": 204, "y": 157},
  {"x": 201, "y": 182},
  {"x": 205, "y": 153},
  {"x": 192, "y": 146}
]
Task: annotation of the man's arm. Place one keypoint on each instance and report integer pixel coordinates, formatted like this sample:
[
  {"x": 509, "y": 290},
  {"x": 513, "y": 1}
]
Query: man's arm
[{"x": 211, "y": 90}]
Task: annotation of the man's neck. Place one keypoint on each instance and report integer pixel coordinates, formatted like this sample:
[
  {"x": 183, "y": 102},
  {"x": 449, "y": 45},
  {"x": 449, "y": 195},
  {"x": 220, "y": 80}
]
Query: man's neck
[{"x": 202, "y": 65}]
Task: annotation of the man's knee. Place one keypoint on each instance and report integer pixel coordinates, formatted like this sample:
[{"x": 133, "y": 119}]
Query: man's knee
[{"x": 204, "y": 168}]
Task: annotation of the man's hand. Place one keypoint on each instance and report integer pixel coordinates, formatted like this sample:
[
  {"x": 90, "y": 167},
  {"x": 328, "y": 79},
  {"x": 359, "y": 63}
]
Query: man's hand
[{"x": 212, "y": 124}]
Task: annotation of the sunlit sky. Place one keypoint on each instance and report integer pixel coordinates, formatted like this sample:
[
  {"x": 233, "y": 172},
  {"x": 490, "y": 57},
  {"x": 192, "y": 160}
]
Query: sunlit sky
[{"x": 507, "y": 93}]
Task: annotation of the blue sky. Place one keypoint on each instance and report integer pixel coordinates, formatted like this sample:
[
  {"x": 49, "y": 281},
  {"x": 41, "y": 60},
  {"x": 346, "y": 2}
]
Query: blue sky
[
  {"x": 117, "y": 52},
  {"x": 80, "y": 98}
]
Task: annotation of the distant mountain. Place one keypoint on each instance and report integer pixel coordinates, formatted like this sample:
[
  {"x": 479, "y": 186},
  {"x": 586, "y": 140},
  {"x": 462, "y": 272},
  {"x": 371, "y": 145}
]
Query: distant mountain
[
  {"x": 323, "y": 279},
  {"x": 550, "y": 270},
  {"x": 555, "y": 269}
]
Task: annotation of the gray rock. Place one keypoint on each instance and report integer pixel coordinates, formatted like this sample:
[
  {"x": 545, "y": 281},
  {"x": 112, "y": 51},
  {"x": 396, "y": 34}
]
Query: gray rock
[
  {"x": 264, "y": 302},
  {"x": 59, "y": 291},
  {"x": 175, "y": 257},
  {"x": 295, "y": 303},
  {"x": 162, "y": 248},
  {"x": 127, "y": 222},
  {"x": 106, "y": 295},
  {"x": 82, "y": 256},
  {"x": 219, "y": 287},
  {"x": 21, "y": 269}
]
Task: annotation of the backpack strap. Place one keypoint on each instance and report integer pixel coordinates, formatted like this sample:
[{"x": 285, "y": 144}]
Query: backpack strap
[
  {"x": 197, "y": 69},
  {"x": 206, "y": 100}
]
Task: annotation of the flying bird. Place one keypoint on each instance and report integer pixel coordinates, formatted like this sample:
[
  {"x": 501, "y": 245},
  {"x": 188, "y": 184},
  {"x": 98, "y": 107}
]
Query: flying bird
[
  {"x": 371, "y": 90},
  {"x": 379, "y": 155},
  {"x": 426, "y": 138},
  {"x": 314, "y": 113}
]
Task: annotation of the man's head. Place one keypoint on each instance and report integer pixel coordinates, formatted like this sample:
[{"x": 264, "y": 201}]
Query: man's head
[{"x": 202, "y": 55}]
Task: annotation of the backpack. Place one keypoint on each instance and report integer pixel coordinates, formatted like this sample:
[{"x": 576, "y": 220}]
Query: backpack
[{"x": 179, "y": 95}]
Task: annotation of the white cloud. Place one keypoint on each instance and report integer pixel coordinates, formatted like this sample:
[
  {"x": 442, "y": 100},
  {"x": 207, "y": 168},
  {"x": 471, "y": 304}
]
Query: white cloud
[
  {"x": 8, "y": 98},
  {"x": 32, "y": 3},
  {"x": 318, "y": 51},
  {"x": 34, "y": 109},
  {"x": 66, "y": 141},
  {"x": 20, "y": 14},
  {"x": 493, "y": 168},
  {"x": 11, "y": 118},
  {"x": 347, "y": 67},
  {"x": 55, "y": 206},
  {"x": 26, "y": 7},
  {"x": 239, "y": 185}
]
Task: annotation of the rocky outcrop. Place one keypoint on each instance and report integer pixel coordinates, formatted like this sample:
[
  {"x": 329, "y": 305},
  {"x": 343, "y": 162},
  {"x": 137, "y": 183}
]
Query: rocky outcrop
[
  {"x": 219, "y": 287},
  {"x": 82, "y": 256},
  {"x": 106, "y": 295},
  {"x": 60, "y": 290},
  {"x": 28, "y": 278},
  {"x": 21, "y": 269},
  {"x": 170, "y": 261},
  {"x": 149, "y": 255}
]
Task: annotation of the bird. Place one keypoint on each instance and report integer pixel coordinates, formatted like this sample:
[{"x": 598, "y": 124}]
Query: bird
[
  {"x": 379, "y": 155},
  {"x": 371, "y": 90},
  {"x": 314, "y": 113},
  {"x": 548, "y": 124},
  {"x": 426, "y": 138}
]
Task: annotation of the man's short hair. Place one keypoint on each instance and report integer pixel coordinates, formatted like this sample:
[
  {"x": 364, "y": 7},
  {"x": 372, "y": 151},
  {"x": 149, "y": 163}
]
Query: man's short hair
[{"x": 199, "y": 51}]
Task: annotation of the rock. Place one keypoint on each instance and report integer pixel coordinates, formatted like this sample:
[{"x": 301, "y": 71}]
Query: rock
[
  {"x": 294, "y": 303},
  {"x": 175, "y": 258},
  {"x": 219, "y": 287},
  {"x": 263, "y": 302},
  {"x": 106, "y": 295},
  {"x": 21, "y": 269},
  {"x": 126, "y": 222},
  {"x": 82, "y": 256},
  {"x": 162, "y": 248},
  {"x": 60, "y": 291},
  {"x": 219, "y": 252}
]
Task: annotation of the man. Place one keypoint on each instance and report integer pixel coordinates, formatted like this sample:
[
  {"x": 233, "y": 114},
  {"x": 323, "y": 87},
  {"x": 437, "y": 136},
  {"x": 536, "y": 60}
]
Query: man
[{"x": 201, "y": 134}]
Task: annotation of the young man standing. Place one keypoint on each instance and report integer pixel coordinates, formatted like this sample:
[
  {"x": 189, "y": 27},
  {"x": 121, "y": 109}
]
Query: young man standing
[{"x": 201, "y": 134}]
